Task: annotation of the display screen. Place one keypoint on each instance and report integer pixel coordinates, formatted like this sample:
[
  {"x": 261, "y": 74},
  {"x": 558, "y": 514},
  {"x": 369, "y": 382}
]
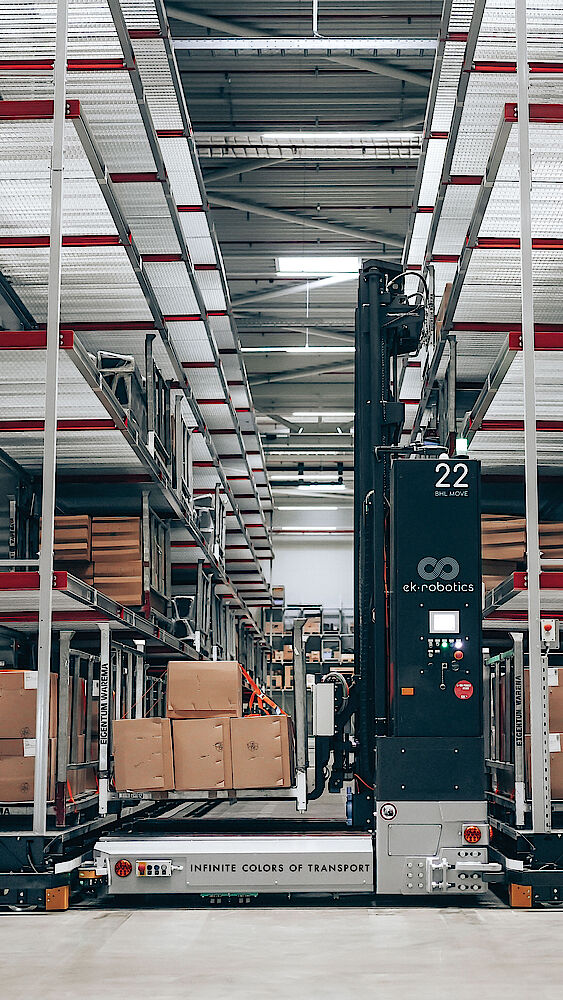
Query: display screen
[{"x": 444, "y": 622}]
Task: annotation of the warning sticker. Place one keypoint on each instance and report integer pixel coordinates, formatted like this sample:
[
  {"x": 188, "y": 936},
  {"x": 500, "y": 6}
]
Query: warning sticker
[
  {"x": 30, "y": 680},
  {"x": 463, "y": 690},
  {"x": 29, "y": 747},
  {"x": 554, "y": 742}
]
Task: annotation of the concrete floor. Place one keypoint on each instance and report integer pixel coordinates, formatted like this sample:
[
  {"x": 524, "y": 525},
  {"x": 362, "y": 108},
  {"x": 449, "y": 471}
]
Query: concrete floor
[{"x": 320, "y": 953}]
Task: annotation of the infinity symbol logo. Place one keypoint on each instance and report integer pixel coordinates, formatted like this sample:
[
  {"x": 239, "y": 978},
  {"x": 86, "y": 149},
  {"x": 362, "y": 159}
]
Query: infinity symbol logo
[{"x": 446, "y": 568}]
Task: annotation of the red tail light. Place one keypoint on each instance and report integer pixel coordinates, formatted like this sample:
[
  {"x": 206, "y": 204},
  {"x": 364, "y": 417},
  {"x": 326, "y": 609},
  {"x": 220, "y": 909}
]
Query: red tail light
[
  {"x": 472, "y": 834},
  {"x": 123, "y": 868}
]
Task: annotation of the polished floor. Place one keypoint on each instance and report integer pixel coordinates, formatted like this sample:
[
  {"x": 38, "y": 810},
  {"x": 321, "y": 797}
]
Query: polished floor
[{"x": 319, "y": 952}]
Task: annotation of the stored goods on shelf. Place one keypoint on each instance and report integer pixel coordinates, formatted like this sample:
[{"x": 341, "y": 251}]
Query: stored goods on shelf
[
  {"x": 202, "y": 754},
  {"x": 18, "y": 701},
  {"x": 203, "y": 689},
  {"x": 263, "y": 751},
  {"x": 143, "y": 755},
  {"x": 17, "y": 769}
]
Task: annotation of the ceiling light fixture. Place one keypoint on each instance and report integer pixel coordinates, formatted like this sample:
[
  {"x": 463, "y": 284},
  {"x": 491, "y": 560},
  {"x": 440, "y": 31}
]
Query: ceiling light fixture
[
  {"x": 327, "y": 138},
  {"x": 307, "y": 507},
  {"x": 324, "y": 414},
  {"x": 315, "y": 267},
  {"x": 299, "y": 350}
]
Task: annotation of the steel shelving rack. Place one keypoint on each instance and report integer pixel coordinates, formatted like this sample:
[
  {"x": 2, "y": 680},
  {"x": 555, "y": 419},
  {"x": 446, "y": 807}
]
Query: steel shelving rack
[{"x": 94, "y": 92}]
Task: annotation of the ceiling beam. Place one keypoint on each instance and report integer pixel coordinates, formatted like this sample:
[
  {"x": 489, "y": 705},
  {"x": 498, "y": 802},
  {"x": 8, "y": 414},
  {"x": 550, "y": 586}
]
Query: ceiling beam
[
  {"x": 320, "y": 44},
  {"x": 230, "y": 28},
  {"x": 304, "y": 286},
  {"x": 302, "y": 220},
  {"x": 298, "y": 373},
  {"x": 211, "y": 179}
]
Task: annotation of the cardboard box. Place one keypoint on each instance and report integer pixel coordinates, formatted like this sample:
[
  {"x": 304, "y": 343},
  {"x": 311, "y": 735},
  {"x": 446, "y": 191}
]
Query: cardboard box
[
  {"x": 73, "y": 538},
  {"x": 555, "y": 689},
  {"x": 263, "y": 751},
  {"x": 142, "y": 750},
  {"x": 288, "y": 677},
  {"x": 287, "y": 653},
  {"x": 556, "y": 759},
  {"x": 312, "y": 626},
  {"x": 202, "y": 754},
  {"x": 17, "y": 770},
  {"x": 203, "y": 689},
  {"x": 116, "y": 537},
  {"x": 123, "y": 589},
  {"x": 18, "y": 700}
]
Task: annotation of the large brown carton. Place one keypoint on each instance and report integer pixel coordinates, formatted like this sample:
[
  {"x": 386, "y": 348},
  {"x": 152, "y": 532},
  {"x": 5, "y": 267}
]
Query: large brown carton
[
  {"x": 555, "y": 698},
  {"x": 17, "y": 770},
  {"x": 262, "y": 747},
  {"x": 556, "y": 761},
  {"x": 18, "y": 700},
  {"x": 203, "y": 689},
  {"x": 202, "y": 754},
  {"x": 142, "y": 750}
]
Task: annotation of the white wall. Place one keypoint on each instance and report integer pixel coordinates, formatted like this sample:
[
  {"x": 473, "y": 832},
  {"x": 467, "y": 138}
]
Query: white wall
[{"x": 315, "y": 566}]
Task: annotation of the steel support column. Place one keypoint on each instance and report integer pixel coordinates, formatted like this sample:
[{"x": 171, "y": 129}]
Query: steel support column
[
  {"x": 50, "y": 432},
  {"x": 539, "y": 716}
]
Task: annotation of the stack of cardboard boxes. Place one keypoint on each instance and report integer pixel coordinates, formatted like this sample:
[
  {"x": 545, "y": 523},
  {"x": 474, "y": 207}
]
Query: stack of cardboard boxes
[
  {"x": 503, "y": 540},
  {"x": 72, "y": 549},
  {"x": 205, "y": 743},
  {"x": 555, "y": 683},
  {"x": 104, "y": 552},
  {"x": 117, "y": 558},
  {"x": 18, "y": 701}
]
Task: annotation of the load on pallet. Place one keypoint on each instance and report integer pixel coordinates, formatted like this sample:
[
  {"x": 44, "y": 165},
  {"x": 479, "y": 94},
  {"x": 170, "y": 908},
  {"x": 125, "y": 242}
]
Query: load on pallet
[
  {"x": 18, "y": 700},
  {"x": 205, "y": 743}
]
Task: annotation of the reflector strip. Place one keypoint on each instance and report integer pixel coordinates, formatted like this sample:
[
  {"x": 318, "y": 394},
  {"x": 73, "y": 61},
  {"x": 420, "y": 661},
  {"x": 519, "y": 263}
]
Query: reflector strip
[
  {"x": 26, "y": 110},
  {"x": 15, "y": 426}
]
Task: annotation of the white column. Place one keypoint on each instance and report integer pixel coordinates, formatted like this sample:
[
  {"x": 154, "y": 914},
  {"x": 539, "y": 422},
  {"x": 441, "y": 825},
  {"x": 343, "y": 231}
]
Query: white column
[{"x": 50, "y": 434}]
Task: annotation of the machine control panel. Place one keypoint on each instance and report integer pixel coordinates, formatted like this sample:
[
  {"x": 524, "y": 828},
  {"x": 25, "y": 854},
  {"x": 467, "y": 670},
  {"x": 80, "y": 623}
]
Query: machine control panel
[
  {"x": 153, "y": 869},
  {"x": 435, "y": 609}
]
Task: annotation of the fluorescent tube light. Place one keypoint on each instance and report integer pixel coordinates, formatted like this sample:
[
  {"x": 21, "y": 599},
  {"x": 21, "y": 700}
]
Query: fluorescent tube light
[
  {"x": 315, "y": 267},
  {"x": 299, "y": 350},
  {"x": 327, "y": 138},
  {"x": 314, "y": 508},
  {"x": 324, "y": 414}
]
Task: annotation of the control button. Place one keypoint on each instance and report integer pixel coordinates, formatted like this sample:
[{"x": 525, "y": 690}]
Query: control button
[
  {"x": 462, "y": 854},
  {"x": 458, "y": 655},
  {"x": 458, "y": 644}
]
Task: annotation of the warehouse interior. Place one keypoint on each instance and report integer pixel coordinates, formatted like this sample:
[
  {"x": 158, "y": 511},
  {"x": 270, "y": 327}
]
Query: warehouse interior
[{"x": 281, "y": 497}]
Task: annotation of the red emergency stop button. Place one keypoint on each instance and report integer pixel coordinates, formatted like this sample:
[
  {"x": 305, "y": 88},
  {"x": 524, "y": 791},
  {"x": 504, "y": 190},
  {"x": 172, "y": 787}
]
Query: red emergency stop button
[
  {"x": 548, "y": 627},
  {"x": 463, "y": 690},
  {"x": 458, "y": 655}
]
